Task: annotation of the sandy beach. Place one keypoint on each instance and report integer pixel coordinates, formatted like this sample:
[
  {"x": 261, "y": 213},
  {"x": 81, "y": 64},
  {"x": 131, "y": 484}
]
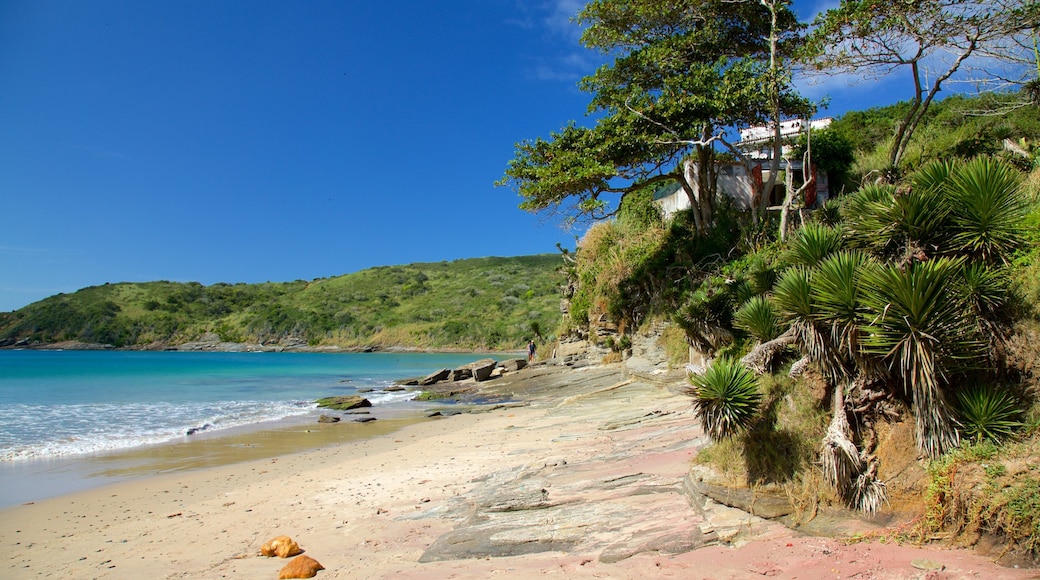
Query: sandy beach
[{"x": 581, "y": 478}]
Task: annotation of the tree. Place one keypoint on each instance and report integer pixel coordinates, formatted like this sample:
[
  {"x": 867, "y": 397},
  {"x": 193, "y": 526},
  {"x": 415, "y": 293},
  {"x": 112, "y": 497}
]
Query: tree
[
  {"x": 684, "y": 72},
  {"x": 933, "y": 39}
]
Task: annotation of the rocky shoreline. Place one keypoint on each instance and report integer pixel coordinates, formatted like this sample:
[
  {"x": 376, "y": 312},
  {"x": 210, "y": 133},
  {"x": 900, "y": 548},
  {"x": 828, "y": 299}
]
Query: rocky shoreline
[{"x": 584, "y": 472}]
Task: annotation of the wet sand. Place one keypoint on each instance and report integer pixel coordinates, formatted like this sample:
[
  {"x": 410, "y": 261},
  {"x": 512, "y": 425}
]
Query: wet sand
[{"x": 37, "y": 479}]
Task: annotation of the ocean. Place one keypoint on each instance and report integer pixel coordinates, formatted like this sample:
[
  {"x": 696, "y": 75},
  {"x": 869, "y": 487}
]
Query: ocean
[{"x": 60, "y": 411}]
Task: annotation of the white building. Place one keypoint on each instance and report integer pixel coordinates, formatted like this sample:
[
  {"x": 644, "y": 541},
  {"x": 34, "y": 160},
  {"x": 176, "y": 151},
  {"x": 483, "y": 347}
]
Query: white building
[{"x": 735, "y": 182}]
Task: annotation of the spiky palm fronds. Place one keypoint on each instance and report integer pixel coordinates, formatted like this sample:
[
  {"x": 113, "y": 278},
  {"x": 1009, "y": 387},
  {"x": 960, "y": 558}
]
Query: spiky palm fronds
[
  {"x": 919, "y": 223},
  {"x": 917, "y": 327},
  {"x": 756, "y": 317},
  {"x": 866, "y": 215},
  {"x": 726, "y": 397},
  {"x": 811, "y": 244},
  {"x": 836, "y": 296},
  {"x": 934, "y": 176},
  {"x": 988, "y": 413},
  {"x": 793, "y": 301},
  {"x": 988, "y": 210}
]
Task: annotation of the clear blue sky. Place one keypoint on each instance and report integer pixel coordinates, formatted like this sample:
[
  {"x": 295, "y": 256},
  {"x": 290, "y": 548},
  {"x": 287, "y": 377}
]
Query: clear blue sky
[{"x": 220, "y": 141}]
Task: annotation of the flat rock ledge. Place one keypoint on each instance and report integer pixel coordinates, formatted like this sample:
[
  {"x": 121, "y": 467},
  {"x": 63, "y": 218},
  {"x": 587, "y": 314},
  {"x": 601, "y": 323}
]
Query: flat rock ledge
[{"x": 607, "y": 492}]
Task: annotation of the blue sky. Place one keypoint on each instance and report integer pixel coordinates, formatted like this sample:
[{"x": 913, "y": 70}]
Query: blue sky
[{"x": 225, "y": 141}]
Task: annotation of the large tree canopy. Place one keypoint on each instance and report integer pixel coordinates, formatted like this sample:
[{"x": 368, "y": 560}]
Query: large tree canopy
[
  {"x": 931, "y": 39},
  {"x": 684, "y": 73}
]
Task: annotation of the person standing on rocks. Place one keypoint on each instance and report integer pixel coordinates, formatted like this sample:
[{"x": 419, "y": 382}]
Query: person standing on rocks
[{"x": 531, "y": 348}]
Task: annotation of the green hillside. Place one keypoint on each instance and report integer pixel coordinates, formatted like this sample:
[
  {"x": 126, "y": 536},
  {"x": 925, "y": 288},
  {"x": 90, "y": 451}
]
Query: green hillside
[{"x": 487, "y": 303}]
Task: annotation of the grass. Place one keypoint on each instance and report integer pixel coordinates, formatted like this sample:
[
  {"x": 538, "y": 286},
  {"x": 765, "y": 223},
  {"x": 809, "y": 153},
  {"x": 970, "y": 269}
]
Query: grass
[{"x": 986, "y": 489}]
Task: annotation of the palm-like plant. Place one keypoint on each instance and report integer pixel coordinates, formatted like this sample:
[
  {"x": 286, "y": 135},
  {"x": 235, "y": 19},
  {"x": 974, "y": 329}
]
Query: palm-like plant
[
  {"x": 988, "y": 210},
  {"x": 918, "y": 328},
  {"x": 811, "y": 244},
  {"x": 988, "y": 413},
  {"x": 866, "y": 215},
  {"x": 795, "y": 306},
  {"x": 756, "y": 317},
  {"x": 836, "y": 294},
  {"x": 726, "y": 397}
]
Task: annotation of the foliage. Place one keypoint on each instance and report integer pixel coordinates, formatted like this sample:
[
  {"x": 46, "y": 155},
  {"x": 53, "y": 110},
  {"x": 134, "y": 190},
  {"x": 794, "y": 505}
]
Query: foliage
[
  {"x": 726, "y": 397},
  {"x": 956, "y": 127},
  {"x": 921, "y": 293},
  {"x": 681, "y": 74},
  {"x": 988, "y": 413},
  {"x": 877, "y": 39},
  {"x": 982, "y": 488},
  {"x": 757, "y": 318},
  {"x": 478, "y": 303},
  {"x": 832, "y": 151},
  {"x": 811, "y": 244}
]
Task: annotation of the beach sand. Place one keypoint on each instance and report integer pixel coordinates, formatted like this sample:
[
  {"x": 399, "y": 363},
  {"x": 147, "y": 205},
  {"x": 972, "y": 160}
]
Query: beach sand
[{"x": 583, "y": 480}]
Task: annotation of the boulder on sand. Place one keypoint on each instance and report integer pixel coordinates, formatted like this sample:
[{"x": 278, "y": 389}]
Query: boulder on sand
[
  {"x": 343, "y": 403},
  {"x": 300, "y": 567},
  {"x": 281, "y": 546}
]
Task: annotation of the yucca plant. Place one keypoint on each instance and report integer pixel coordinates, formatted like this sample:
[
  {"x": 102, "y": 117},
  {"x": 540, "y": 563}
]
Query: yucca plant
[
  {"x": 793, "y": 301},
  {"x": 726, "y": 398},
  {"x": 836, "y": 295},
  {"x": 756, "y": 317},
  {"x": 811, "y": 243},
  {"x": 866, "y": 215},
  {"x": 988, "y": 413},
  {"x": 915, "y": 324},
  {"x": 988, "y": 210},
  {"x": 934, "y": 176}
]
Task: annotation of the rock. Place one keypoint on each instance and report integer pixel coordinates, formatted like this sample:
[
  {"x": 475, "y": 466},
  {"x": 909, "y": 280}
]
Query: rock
[
  {"x": 328, "y": 419},
  {"x": 513, "y": 364},
  {"x": 281, "y": 546},
  {"x": 343, "y": 403},
  {"x": 482, "y": 369},
  {"x": 752, "y": 501},
  {"x": 364, "y": 419},
  {"x": 195, "y": 430},
  {"x": 394, "y": 389},
  {"x": 300, "y": 567},
  {"x": 434, "y": 414},
  {"x": 461, "y": 374},
  {"x": 434, "y": 377},
  {"x": 926, "y": 564}
]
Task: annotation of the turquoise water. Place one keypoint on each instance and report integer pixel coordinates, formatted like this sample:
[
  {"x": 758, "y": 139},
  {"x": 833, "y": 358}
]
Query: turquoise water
[{"x": 58, "y": 404}]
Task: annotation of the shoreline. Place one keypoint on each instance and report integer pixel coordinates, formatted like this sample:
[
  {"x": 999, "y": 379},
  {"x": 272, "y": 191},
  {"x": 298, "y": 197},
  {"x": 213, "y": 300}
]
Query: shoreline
[
  {"x": 584, "y": 479},
  {"x": 39, "y": 479},
  {"x": 217, "y": 346}
]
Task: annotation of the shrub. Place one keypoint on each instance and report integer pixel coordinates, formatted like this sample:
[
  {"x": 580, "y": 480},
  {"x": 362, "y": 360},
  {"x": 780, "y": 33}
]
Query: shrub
[
  {"x": 726, "y": 397},
  {"x": 988, "y": 413}
]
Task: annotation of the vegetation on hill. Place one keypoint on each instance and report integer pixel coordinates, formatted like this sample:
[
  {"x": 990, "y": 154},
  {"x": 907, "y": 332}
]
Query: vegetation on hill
[
  {"x": 915, "y": 302},
  {"x": 481, "y": 303},
  {"x": 902, "y": 302}
]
